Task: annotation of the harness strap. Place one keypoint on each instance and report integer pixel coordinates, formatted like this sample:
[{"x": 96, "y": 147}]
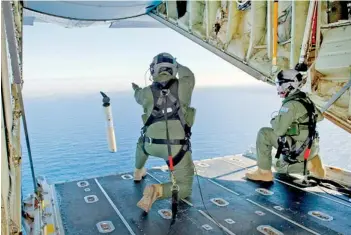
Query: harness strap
[
  {"x": 167, "y": 97},
  {"x": 279, "y": 150},
  {"x": 179, "y": 156},
  {"x": 157, "y": 112},
  {"x": 310, "y": 126},
  {"x": 165, "y": 141},
  {"x": 283, "y": 146}
]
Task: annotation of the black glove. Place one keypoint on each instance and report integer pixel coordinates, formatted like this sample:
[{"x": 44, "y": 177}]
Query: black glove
[
  {"x": 301, "y": 67},
  {"x": 135, "y": 86}
]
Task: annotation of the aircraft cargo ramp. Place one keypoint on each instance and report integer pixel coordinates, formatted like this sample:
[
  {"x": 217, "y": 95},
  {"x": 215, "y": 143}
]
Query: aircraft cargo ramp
[{"x": 233, "y": 205}]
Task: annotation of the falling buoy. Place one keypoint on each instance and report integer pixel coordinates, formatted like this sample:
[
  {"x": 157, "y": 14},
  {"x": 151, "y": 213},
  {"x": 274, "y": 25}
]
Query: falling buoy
[{"x": 111, "y": 139}]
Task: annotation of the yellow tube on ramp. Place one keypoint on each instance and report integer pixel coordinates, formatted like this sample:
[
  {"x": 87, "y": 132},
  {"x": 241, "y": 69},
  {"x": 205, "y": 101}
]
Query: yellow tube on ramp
[{"x": 275, "y": 32}]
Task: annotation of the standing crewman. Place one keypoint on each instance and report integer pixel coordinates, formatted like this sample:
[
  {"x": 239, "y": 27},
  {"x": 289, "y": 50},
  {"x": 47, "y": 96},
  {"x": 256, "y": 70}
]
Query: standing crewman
[
  {"x": 174, "y": 95},
  {"x": 293, "y": 133}
]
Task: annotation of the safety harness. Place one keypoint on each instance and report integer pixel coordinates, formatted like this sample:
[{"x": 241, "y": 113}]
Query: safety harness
[
  {"x": 167, "y": 107},
  {"x": 290, "y": 154},
  {"x": 167, "y": 95}
]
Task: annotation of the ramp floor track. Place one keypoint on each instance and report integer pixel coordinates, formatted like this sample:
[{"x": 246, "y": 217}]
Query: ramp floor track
[{"x": 222, "y": 202}]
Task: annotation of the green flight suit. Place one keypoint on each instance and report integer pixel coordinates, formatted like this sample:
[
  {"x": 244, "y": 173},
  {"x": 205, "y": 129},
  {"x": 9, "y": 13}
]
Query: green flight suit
[
  {"x": 291, "y": 112},
  {"x": 184, "y": 170}
]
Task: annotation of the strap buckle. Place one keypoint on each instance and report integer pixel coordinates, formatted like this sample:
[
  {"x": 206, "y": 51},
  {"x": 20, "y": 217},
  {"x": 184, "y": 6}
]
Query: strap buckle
[
  {"x": 143, "y": 131},
  {"x": 165, "y": 92},
  {"x": 175, "y": 187},
  {"x": 289, "y": 159},
  {"x": 148, "y": 140}
]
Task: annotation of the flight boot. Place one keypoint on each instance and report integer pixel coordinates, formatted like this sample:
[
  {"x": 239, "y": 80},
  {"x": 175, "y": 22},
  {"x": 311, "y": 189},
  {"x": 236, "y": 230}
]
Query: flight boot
[
  {"x": 151, "y": 194},
  {"x": 139, "y": 174},
  {"x": 315, "y": 166},
  {"x": 260, "y": 175}
]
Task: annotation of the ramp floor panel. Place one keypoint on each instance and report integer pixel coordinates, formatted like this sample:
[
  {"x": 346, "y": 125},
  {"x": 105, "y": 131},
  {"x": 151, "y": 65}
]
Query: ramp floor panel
[
  {"x": 247, "y": 216},
  {"x": 79, "y": 217},
  {"x": 225, "y": 203},
  {"x": 125, "y": 194},
  {"x": 289, "y": 201}
]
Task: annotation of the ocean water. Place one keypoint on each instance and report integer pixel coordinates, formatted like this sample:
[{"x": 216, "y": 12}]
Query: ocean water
[{"x": 68, "y": 134}]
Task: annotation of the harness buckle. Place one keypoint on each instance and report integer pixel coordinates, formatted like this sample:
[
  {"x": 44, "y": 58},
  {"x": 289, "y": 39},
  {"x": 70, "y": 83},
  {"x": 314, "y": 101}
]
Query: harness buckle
[
  {"x": 165, "y": 92},
  {"x": 148, "y": 140},
  {"x": 175, "y": 187},
  {"x": 285, "y": 148},
  {"x": 316, "y": 135},
  {"x": 289, "y": 159}
]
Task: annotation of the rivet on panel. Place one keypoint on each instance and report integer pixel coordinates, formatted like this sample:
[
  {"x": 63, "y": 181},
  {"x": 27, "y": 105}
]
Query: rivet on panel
[
  {"x": 219, "y": 201},
  {"x": 105, "y": 226},
  {"x": 207, "y": 227},
  {"x": 127, "y": 177},
  {"x": 320, "y": 215},
  {"x": 82, "y": 184},
  {"x": 87, "y": 189},
  {"x": 268, "y": 230},
  {"x": 91, "y": 199},
  {"x": 264, "y": 191},
  {"x": 165, "y": 213}
]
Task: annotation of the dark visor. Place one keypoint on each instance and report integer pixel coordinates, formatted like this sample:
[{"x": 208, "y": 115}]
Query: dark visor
[
  {"x": 164, "y": 59},
  {"x": 281, "y": 81}
]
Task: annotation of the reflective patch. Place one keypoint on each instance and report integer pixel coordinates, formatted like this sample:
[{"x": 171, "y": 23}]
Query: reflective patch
[
  {"x": 283, "y": 110},
  {"x": 229, "y": 221},
  {"x": 260, "y": 213},
  {"x": 268, "y": 230},
  {"x": 207, "y": 227},
  {"x": 105, "y": 226},
  {"x": 320, "y": 215},
  {"x": 219, "y": 201},
  {"x": 279, "y": 208},
  {"x": 165, "y": 213},
  {"x": 91, "y": 199},
  {"x": 127, "y": 177},
  {"x": 264, "y": 191},
  {"x": 82, "y": 183}
]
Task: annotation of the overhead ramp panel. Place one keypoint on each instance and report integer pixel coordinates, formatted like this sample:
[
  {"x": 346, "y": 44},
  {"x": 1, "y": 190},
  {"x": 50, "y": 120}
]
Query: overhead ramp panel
[
  {"x": 87, "y": 13},
  {"x": 241, "y": 32},
  {"x": 333, "y": 72}
]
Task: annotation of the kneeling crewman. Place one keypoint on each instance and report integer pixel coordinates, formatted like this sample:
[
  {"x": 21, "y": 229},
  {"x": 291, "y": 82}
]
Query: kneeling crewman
[
  {"x": 167, "y": 119},
  {"x": 293, "y": 133}
]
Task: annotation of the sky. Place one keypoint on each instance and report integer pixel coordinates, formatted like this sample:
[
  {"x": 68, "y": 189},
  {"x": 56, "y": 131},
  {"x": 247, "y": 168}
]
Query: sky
[{"x": 58, "y": 60}]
